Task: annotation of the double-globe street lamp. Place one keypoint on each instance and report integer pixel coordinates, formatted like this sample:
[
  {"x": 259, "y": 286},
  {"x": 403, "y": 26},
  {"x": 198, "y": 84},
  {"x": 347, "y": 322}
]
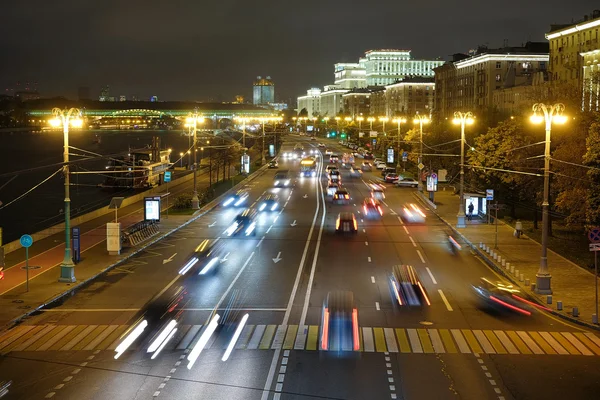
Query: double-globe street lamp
[
  {"x": 420, "y": 120},
  {"x": 399, "y": 121},
  {"x": 66, "y": 118},
  {"x": 192, "y": 121},
  {"x": 550, "y": 114},
  {"x": 462, "y": 118}
]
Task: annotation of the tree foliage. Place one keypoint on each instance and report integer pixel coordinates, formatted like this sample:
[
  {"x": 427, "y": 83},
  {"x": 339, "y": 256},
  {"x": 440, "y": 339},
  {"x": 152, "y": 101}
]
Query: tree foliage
[{"x": 592, "y": 159}]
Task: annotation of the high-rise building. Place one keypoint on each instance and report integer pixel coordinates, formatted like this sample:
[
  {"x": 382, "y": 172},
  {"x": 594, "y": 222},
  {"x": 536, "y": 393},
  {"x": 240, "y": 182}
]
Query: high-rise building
[
  {"x": 332, "y": 102},
  {"x": 384, "y": 67},
  {"x": 350, "y": 75},
  {"x": 264, "y": 91},
  {"x": 104, "y": 94},
  {"x": 311, "y": 102},
  {"x": 410, "y": 96}
]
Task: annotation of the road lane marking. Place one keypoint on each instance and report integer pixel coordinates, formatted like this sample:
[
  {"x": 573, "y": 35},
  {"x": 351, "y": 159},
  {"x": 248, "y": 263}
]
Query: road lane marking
[
  {"x": 448, "y": 306},
  {"x": 588, "y": 342},
  {"x": 401, "y": 222},
  {"x": 412, "y": 241},
  {"x": 487, "y": 346},
  {"x": 369, "y": 259},
  {"x": 405, "y": 229},
  {"x": 231, "y": 285},
  {"x": 367, "y": 334},
  {"x": 364, "y": 231},
  {"x": 372, "y": 279},
  {"x": 402, "y": 340},
  {"x": 495, "y": 342},
  {"x": 377, "y": 305},
  {"x": 523, "y": 349},
  {"x": 460, "y": 341},
  {"x": 379, "y": 340},
  {"x": 415, "y": 343},
  {"x": 425, "y": 341},
  {"x": 559, "y": 349},
  {"x": 421, "y": 256},
  {"x": 260, "y": 241},
  {"x": 269, "y": 230},
  {"x": 472, "y": 341},
  {"x": 390, "y": 340},
  {"x": 366, "y": 243},
  {"x": 529, "y": 342},
  {"x": 436, "y": 340},
  {"x": 506, "y": 342},
  {"x": 447, "y": 339},
  {"x": 431, "y": 276}
]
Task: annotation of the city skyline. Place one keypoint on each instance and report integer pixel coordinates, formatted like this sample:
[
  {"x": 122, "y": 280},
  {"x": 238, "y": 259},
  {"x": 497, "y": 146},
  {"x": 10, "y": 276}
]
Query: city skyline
[{"x": 101, "y": 42}]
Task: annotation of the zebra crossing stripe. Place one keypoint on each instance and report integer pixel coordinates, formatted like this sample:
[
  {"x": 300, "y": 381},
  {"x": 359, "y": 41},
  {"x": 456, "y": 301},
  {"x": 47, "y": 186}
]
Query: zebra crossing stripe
[
  {"x": 89, "y": 337},
  {"x": 402, "y": 340},
  {"x": 23, "y": 338},
  {"x": 494, "y": 341},
  {"x": 38, "y": 343},
  {"x": 565, "y": 343},
  {"x": 436, "y": 341},
  {"x": 379, "y": 340},
  {"x": 506, "y": 342},
  {"x": 460, "y": 341},
  {"x": 244, "y": 337},
  {"x": 427, "y": 346},
  {"x": 487, "y": 346},
  {"x": 301, "y": 337},
  {"x": 448, "y": 343},
  {"x": 582, "y": 349},
  {"x": 189, "y": 336},
  {"x": 92, "y": 345},
  {"x": 530, "y": 342},
  {"x": 390, "y": 340},
  {"x": 278, "y": 338},
  {"x": 368, "y": 340},
  {"x": 80, "y": 335},
  {"x": 313, "y": 337},
  {"x": 64, "y": 330},
  {"x": 593, "y": 338},
  {"x": 290, "y": 337},
  {"x": 523, "y": 349},
  {"x": 545, "y": 346},
  {"x": 34, "y": 338},
  {"x": 588, "y": 342},
  {"x": 113, "y": 340},
  {"x": 265, "y": 342},
  {"x": 555, "y": 345},
  {"x": 19, "y": 331},
  {"x": 255, "y": 339},
  {"x": 473, "y": 343},
  {"x": 414, "y": 341}
]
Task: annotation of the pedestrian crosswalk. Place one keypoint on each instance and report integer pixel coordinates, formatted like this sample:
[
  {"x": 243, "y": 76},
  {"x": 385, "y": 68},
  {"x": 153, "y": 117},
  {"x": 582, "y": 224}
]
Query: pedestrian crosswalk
[{"x": 288, "y": 337}]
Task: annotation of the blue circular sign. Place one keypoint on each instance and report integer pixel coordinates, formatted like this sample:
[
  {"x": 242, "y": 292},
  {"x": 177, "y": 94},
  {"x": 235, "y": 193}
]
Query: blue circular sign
[
  {"x": 26, "y": 241},
  {"x": 594, "y": 235}
]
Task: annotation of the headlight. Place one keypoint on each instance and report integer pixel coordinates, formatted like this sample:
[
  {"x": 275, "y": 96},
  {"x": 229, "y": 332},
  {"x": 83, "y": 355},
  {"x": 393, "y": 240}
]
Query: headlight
[
  {"x": 287, "y": 182},
  {"x": 228, "y": 201},
  {"x": 250, "y": 229},
  {"x": 262, "y": 207},
  {"x": 240, "y": 201},
  {"x": 277, "y": 182},
  {"x": 231, "y": 229},
  {"x": 274, "y": 207}
]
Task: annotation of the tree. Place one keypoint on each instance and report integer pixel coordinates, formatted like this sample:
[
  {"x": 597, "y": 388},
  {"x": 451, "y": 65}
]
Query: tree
[
  {"x": 303, "y": 113},
  {"x": 592, "y": 159}
]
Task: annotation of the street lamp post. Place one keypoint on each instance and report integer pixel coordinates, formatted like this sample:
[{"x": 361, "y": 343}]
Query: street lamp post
[
  {"x": 383, "y": 120},
  {"x": 326, "y": 119},
  {"x": 549, "y": 114},
  {"x": 399, "y": 121},
  {"x": 181, "y": 159},
  {"x": 194, "y": 119},
  {"x": 65, "y": 117},
  {"x": 264, "y": 160},
  {"x": 462, "y": 118},
  {"x": 360, "y": 119},
  {"x": 420, "y": 119},
  {"x": 337, "y": 120},
  {"x": 348, "y": 120}
]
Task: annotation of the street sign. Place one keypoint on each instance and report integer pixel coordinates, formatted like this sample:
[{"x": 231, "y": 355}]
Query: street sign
[
  {"x": 432, "y": 183},
  {"x": 594, "y": 246},
  {"x": 76, "y": 244},
  {"x": 361, "y": 134},
  {"x": 390, "y": 155},
  {"x": 405, "y": 156},
  {"x": 489, "y": 194},
  {"x": 594, "y": 235},
  {"x": 167, "y": 176},
  {"x": 26, "y": 241},
  {"x": 373, "y": 133},
  {"x": 421, "y": 166}
]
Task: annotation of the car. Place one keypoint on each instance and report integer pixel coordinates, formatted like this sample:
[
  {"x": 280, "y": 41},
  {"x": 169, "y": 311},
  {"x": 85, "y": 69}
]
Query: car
[
  {"x": 387, "y": 170},
  {"x": 372, "y": 208},
  {"x": 236, "y": 199},
  {"x": 244, "y": 223},
  {"x": 380, "y": 165},
  {"x": 282, "y": 179},
  {"x": 366, "y": 166},
  {"x": 339, "y": 331},
  {"x": 205, "y": 257},
  {"x": 313, "y": 138},
  {"x": 368, "y": 155},
  {"x": 391, "y": 177},
  {"x": 269, "y": 203},
  {"x": 330, "y": 168},
  {"x": 502, "y": 296},
  {"x": 341, "y": 196},
  {"x": 334, "y": 158},
  {"x": 328, "y": 152},
  {"x": 321, "y": 145},
  {"x": 332, "y": 187},
  {"x": 406, "y": 287},
  {"x": 273, "y": 164},
  {"x": 407, "y": 182},
  {"x": 377, "y": 192},
  {"x": 412, "y": 213},
  {"x": 346, "y": 223},
  {"x": 377, "y": 160},
  {"x": 335, "y": 176},
  {"x": 355, "y": 172}
]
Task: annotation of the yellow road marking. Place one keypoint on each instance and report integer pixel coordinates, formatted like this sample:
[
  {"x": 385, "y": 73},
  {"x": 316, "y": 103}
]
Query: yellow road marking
[
  {"x": 545, "y": 346},
  {"x": 379, "y": 340},
  {"x": 290, "y": 337},
  {"x": 23, "y": 338},
  {"x": 565, "y": 343},
  {"x": 313, "y": 333},
  {"x": 448, "y": 342},
  {"x": 402, "y": 340},
  {"x": 518, "y": 342},
  {"x": 58, "y": 345},
  {"x": 265, "y": 342},
  {"x": 495, "y": 342},
  {"x": 34, "y": 346},
  {"x": 17, "y": 332},
  {"x": 473, "y": 343},
  {"x": 591, "y": 345},
  {"x": 112, "y": 338},
  {"x": 424, "y": 337},
  {"x": 89, "y": 337}
]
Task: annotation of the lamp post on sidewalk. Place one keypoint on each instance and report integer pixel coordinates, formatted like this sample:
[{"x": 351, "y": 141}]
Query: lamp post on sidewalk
[
  {"x": 399, "y": 121},
  {"x": 65, "y": 117},
  {"x": 264, "y": 160},
  {"x": 420, "y": 119},
  {"x": 549, "y": 114},
  {"x": 462, "y": 118},
  {"x": 193, "y": 120}
]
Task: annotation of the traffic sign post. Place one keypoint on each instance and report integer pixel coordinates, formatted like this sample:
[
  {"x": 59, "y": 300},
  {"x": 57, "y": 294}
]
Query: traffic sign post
[
  {"x": 594, "y": 237},
  {"x": 26, "y": 241}
]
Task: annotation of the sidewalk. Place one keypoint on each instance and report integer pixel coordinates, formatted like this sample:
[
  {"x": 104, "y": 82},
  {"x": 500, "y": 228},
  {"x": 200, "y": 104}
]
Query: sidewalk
[
  {"x": 571, "y": 284},
  {"x": 16, "y": 303}
]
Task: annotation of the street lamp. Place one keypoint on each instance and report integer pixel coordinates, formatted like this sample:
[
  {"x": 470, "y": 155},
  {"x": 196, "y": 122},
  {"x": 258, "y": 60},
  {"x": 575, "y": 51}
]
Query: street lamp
[
  {"x": 243, "y": 120},
  {"x": 420, "y": 119},
  {"x": 193, "y": 120},
  {"x": 371, "y": 119},
  {"x": 181, "y": 159},
  {"x": 65, "y": 117},
  {"x": 348, "y": 120},
  {"x": 462, "y": 118},
  {"x": 399, "y": 121},
  {"x": 549, "y": 114},
  {"x": 326, "y": 119}
]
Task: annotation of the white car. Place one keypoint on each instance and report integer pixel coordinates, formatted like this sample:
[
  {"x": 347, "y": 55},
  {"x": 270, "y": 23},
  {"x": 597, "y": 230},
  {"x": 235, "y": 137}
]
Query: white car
[
  {"x": 328, "y": 152},
  {"x": 321, "y": 145},
  {"x": 381, "y": 165},
  {"x": 407, "y": 182}
]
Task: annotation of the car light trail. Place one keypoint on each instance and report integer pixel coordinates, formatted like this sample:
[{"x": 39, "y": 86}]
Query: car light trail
[
  {"x": 228, "y": 201},
  {"x": 164, "y": 343},
  {"x": 208, "y": 266},
  {"x": 203, "y": 340},
  {"x": 235, "y": 337},
  {"x": 497, "y": 300},
  {"x": 530, "y": 302},
  {"x": 325, "y": 334},
  {"x": 424, "y": 294},
  {"x": 355, "y": 329},
  {"x": 124, "y": 345},
  {"x": 161, "y": 337},
  {"x": 188, "y": 266}
]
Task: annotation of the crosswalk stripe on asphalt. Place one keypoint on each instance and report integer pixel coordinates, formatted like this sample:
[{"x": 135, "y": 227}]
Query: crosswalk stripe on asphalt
[{"x": 51, "y": 337}]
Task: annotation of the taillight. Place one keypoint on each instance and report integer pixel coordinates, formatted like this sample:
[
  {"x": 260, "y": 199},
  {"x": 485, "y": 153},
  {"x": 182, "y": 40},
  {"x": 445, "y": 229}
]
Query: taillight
[
  {"x": 325, "y": 333},
  {"x": 424, "y": 294},
  {"x": 355, "y": 330},
  {"x": 355, "y": 224},
  {"x": 337, "y": 224},
  {"x": 396, "y": 292},
  {"x": 365, "y": 209},
  {"x": 380, "y": 210},
  {"x": 525, "y": 312},
  {"x": 346, "y": 196}
]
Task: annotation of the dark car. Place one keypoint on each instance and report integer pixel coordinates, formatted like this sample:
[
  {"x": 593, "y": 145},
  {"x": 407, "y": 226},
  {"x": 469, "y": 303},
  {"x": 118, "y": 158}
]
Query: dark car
[
  {"x": 341, "y": 196},
  {"x": 244, "y": 223},
  {"x": 501, "y": 296},
  {"x": 339, "y": 323},
  {"x": 205, "y": 257},
  {"x": 269, "y": 203},
  {"x": 236, "y": 199},
  {"x": 406, "y": 287},
  {"x": 346, "y": 223},
  {"x": 391, "y": 177},
  {"x": 372, "y": 208},
  {"x": 273, "y": 164}
]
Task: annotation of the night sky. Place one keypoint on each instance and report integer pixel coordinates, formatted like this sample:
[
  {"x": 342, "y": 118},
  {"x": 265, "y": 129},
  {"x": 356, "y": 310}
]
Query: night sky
[{"x": 201, "y": 50}]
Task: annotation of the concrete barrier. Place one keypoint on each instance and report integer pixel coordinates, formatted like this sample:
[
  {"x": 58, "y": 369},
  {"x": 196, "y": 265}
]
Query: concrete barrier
[
  {"x": 549, "y": 299},
  {"x": 575, "y": 311},
  {"x": 559, "y": 306}
]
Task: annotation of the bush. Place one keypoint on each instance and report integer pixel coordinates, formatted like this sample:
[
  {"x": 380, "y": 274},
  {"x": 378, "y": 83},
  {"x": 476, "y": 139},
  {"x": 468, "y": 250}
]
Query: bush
[{"x": 183, "y": 201}]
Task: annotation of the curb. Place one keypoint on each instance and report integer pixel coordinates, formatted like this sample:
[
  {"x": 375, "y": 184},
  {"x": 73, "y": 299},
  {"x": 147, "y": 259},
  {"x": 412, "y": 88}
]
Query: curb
[
  {"x": 502, "y": 272},
  {"x": 74, "y": 289}
]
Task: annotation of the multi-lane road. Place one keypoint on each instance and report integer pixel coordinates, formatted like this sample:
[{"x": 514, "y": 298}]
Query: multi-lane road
[{"x": 454, "y": 348}]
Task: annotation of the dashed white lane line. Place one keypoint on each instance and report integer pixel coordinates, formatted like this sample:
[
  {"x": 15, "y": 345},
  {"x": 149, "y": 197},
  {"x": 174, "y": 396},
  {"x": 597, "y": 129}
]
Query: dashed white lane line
[
  {"x": 421, "y": 256},
  {"x": 285, "y": 205},
  {"x": 372, "y": 279},
  {"x": 260, "y": 242},
  {"x": 268, "y": 230},
  {"x": 448, "y": 306},
  {"x": 364, "y": 231},
  {"x": 366, "y": 243},
  {"x": 405, "y": 229},
  {"x": 431, "y": 275},
  {"x": 369, "y": 259},
  {"x": 275, "y": 220},
  {"x": 401, "y": 222},
  {"x": 412, "y": 241},
  {"x": 377, "y": 306}
]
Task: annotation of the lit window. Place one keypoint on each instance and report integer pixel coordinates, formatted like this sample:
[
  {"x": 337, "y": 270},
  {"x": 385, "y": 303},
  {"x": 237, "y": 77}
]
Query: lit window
[{"x": 498, "y": 64}]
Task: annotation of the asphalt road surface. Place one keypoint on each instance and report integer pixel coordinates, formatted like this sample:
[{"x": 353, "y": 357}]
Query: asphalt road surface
[{"x": 456, "y": 347}]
